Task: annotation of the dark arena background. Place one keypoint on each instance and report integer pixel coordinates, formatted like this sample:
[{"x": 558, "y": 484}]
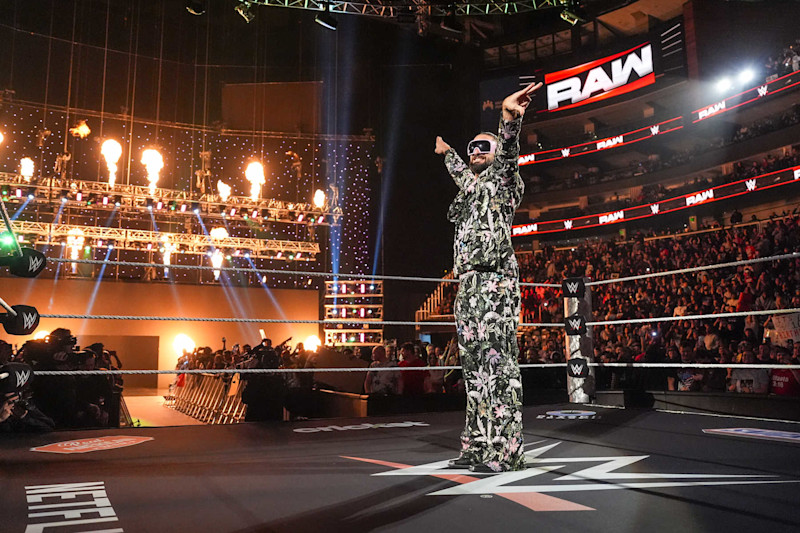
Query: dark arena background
[{"x": 226, "y": 264}]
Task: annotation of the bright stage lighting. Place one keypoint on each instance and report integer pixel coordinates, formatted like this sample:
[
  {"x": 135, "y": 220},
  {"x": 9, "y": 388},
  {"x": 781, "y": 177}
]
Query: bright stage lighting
[
  {"x": 312, "y": 343},
  {"x": 26, "y": 168},
  {"x": 218, "y": 233},
  {"x": 216, "y": 262},
  {"x": 724, "y": 85},
  {"x": 246, "y": 11},
  {"x": 319, "y": 199},
  {"x": 2, "y": 138},
  {"x": 183, "y": 343},
  {"x": 325, "y": 18},
  {"x": 746, "y": 75}
]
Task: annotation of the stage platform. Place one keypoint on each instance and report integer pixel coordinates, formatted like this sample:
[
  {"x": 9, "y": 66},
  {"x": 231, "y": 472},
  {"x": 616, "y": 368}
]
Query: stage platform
[{"x": 602, "y": 469}]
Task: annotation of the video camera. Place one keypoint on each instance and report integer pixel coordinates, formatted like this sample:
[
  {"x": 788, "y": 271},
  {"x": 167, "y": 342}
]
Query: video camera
[{"x": 57, "y": 349}]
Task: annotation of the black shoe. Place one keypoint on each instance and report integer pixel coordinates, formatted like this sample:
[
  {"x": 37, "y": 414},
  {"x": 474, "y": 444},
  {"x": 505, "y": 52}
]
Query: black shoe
[
  {"x": 460, "y": 462},
  {"x": 483, "y": 469}
]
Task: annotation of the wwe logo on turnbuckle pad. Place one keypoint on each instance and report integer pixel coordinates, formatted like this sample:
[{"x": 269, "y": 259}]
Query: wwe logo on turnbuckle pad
[
  {"x": 573, "y": 287},
  {"x": 575, "y": 325}
]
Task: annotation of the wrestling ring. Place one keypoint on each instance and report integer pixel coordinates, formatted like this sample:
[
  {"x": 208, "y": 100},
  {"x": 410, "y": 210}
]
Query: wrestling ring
[{"x": 632, "y": 469}]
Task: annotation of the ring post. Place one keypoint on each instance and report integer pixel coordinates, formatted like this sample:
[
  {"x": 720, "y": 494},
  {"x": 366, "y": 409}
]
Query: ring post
[{"x": 578, "y": 346}]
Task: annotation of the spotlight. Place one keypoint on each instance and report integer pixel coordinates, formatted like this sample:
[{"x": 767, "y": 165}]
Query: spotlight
[
  {"x": 196, "y": 7},
  {"x": 118, "y": 200},
  {"x": 570, "y": 18},
  {"x": 326, "y": 19},
  {"x": 79, "y": 196},
  {"x": 105, "y": 199},
  {"x": 245, "y": 9},
  {"x": 196, "y": 208},
  {"x": 746, "y": 75},
  {"x": 183, "y": 208},
  {"x": 149, "y": 204},
  {"x": 724, "y": 85},
  {"x": 31, "y": 193},
  {"x": 159, "y": 205}
]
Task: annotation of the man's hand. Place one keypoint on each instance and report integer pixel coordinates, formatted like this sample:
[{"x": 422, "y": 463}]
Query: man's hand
[
  {"x": 8, "y": 406},
  {"x": 515, "y": 104},
  {"x": 441, "y": 146}
]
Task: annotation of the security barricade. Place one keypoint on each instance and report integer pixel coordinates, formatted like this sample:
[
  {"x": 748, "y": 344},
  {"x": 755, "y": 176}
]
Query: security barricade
[{"x": 209, "y": 398}]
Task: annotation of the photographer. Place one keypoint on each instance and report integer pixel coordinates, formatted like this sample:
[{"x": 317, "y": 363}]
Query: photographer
[
  {"x": 17, "y": 412},
  {"x": 56, "y": 396}
]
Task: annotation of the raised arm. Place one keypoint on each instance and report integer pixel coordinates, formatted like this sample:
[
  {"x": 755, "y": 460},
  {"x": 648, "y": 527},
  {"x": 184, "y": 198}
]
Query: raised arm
[
  {"x": 456, "y": 166},
  {"x": 514, "y": 107}
]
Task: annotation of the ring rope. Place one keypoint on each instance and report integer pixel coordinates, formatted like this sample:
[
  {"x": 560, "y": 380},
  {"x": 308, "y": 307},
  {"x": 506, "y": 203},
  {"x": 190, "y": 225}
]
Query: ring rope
[
  {"x": 275, "y": 271},
  {"x": 696, "y": 269},
  {"x": 397, "y": 369},
  {"x": 277, "y": 320},
  {"x": 692, "y": 317}
]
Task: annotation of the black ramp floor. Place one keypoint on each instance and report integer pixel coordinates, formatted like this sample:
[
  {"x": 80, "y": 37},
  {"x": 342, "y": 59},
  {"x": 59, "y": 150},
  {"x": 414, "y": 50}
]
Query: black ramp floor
[{"x": 615, "y": 470}]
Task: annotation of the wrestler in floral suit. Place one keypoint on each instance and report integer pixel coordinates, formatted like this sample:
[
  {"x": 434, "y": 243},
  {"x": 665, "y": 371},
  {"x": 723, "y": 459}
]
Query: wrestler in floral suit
[{"x": 488, "y": 302}]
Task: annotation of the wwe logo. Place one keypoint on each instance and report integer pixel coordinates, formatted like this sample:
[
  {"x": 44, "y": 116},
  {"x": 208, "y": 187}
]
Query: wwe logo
[
  {"x": 654, "y": 208},
  {"x": 655, "y": 130},
  {"x": 575, "y": 323},
  {"x": 567, "y": 224},
  {"x": 565, "y": 152},
  {"x": 28, "y": 320},
  {"x": 762, "y": 91},
  {"x": 572, "y": 287},
  {"x": 22, "y": 377},
  {"x": 576, "y": 368},
  {"x": 751, "y": 185},
  {"x": 34, "y": 263}
]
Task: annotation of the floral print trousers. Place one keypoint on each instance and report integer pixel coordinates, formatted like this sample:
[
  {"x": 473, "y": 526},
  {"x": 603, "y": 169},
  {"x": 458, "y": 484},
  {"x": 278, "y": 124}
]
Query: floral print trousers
[{"x": 487, "y": 316}]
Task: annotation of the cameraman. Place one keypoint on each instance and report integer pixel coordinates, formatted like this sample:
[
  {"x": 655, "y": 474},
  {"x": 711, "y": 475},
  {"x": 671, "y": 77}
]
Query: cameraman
[
  {"x": 56, "y": 396},
  {"x": 17, "y": 413}
]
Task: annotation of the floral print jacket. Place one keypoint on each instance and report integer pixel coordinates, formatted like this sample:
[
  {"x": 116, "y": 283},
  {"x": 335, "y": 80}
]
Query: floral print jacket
[{"x": 483, "y": 210}]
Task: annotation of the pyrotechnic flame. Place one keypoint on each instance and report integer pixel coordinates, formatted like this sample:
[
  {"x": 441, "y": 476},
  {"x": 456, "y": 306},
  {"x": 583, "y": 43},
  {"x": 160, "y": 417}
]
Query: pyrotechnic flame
[
  {"x": 111, "y": 151},
  {"x": 255, "y": 175},
  {"x": 26, "y": 168},
  {"x": 153, "y": 162},
  {"x": 216, "y": 262},
  {"x": 75, "y": 240},
  {"x": 224, "y": 190},
  {"x": 1, "y": 138},
  {"x": 169, "y": 248},
  {"x": 319, "y": 199},
  {"x": 218, "y": 233},
  {"x": 81, "y": 130}
]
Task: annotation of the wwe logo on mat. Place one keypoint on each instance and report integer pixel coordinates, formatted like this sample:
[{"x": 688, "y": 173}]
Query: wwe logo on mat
[{"x": 601, "y": 474}]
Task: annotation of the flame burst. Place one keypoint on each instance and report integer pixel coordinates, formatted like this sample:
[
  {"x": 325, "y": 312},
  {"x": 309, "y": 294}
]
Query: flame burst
[
  {"x": 224, "y": 190},
  {"x": 81, "y": 130},
  {"x": 255, "y": 175},
  {"x": 319, "y": 199},
  {"x": 153, "y": 162},
  {"x": 111, "y": 151},
  {"x": 75, "y": 240},
  {"x": 216, "y": 262},
  {"x": 26, "y": 168}
]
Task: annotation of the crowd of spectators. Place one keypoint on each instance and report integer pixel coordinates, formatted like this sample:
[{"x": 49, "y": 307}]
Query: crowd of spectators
[
  {"x": 655, "y": 163},
  {"x": 783, "y": 63},
  {"x": 61, "y": 402}
]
